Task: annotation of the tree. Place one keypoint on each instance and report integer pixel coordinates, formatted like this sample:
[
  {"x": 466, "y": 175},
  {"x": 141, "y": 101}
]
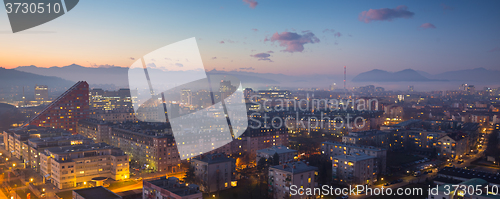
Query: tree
[
  {"x": 190, "y": 176},
  {"x": 261, "y": 164},
  {"x": 276, "y": 159}
]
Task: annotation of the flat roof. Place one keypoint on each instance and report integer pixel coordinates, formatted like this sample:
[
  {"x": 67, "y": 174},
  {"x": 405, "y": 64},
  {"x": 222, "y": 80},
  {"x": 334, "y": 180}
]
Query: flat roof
[
  {"x": 354, "y": 157},
  {"x": 371, "y": 148},
  {"x": 295, "y": 167},
  {"x": 276, "y": 149},
  {"x": 97, "y": 192}
]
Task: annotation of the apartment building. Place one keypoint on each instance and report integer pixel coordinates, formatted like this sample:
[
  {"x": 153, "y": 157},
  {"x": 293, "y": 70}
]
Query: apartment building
[
  {"x": 369, "y": 138},
  {"x": 253, "y": 140},
  {"x": 214, "y": 172},
  {"x": 354, "y": 169},
  {"x": 282, "y": 177},
  {"x": 149, "y": 145},
  {"x": 116, "y": 115},
  {"x": 453, "y": 145},
  {"x": 77, "y": 165},
  {"x": 97, "y": 130},
  {"x": 332, "y": 149},
  {"x": 166, "y": 188},
  {"x": 65, "y": 111},
  {"x": 285, "y": 154},
  {"x": 16, "y": 140},
  {"x": 37, "y": 145}
]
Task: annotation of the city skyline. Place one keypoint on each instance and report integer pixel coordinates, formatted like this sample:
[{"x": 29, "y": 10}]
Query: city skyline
[{"x": 287, "y": 38}]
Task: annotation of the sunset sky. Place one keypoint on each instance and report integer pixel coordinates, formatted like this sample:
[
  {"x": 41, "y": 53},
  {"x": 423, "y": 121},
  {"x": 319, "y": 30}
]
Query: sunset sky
[{"x": 289, "y": 37}]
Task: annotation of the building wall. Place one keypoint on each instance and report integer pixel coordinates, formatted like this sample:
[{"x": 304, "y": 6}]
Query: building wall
[
  {"x": 354, "y": 172},
  {"x": 282, "y": 180},
  {"x": 74, "y": 172},
  {"x": 214, "y": 176}
]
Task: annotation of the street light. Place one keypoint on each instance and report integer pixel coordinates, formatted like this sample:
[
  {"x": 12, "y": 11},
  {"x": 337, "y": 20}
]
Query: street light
[{"x": 31, "y": 179}]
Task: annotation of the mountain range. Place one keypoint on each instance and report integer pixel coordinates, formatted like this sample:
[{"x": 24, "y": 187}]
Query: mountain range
[{"x": 477, "y": 75}]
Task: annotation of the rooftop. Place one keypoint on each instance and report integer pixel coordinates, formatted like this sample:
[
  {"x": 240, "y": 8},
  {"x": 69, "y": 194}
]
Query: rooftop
[
  {"x": 469, "y": 174},
  {"x": 213, "y": 158},
  {"x": 342, "y": 144},
  {"x": 97, "y": 192},
  {"x": 295, "y": 167},
  {"x": 276, "y": 149},
  {"x": 354, "y": 157},
  {"x": 80, "y": 148},
  {"x": 172, "y": 184}
]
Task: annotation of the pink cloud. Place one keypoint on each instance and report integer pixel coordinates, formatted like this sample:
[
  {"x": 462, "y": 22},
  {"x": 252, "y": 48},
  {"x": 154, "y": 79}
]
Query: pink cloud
[
  {"x": 293, "y": 41},
  {"x": 385, "y": 14},
  {"x": 221, "y": 42},
  {"x": 446, "y": 7},
  {"x": 496, "y": 49},
  {"x": 262, "y": 57},
  {"x": 251, "y": 3},
  {"x": 255, "y": 29},
  {"x": 427, "y": 25},
  {"x": 328, "y": 30}
]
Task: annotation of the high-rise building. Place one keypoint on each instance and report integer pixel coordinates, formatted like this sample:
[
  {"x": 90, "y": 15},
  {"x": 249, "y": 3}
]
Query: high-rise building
[
  {"x": 65, "y": 111},
  {"x": 41, "y": 93},
  {"x": 186, "y": 97},
  {"x": 110, "y": 100}
]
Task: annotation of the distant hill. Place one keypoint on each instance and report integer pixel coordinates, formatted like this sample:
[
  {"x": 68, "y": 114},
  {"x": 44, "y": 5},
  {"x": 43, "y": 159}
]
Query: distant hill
[
  {"x": 407, "y": 75},
  {"x": 94, "y": 76},
  {"x": 14, "y": 78},
  {"x": 109, "y": 77}
]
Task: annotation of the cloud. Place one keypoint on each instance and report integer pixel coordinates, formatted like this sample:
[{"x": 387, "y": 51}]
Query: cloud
[
  {"x": 247, "y": 68},
  {"x": 446, "y": 7},
  {"x": 496, "y": 49},
  {"x": 227, "y": 40},
  {"x": 179, "y": 65},
  {"x": 385, "y": 14},
  {"x": 427, "y": 25},
  {"x": 337, "y": 34},
  {"x": 251, "y": 3},
  {"x": 262, "y": 57},
  {"x": 328, "y": 30},
  {"x": 214, "y": 57},
  {"x": 255, "y": 29},
  {"x": 270, "y": 51},
  {"x": 131, "y": 58},
  {"x": 292, "y": 41}
]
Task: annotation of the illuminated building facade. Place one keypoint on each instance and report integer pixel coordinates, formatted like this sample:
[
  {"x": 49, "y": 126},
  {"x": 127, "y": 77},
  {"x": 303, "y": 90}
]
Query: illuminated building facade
[
  {"x": 354, "y": 169},
  {"x": 41, "y": 93},
  {"x": 65, "y": 111},
  {"x": 77, "y": 165},
  {"x": 300, "y": 174}
]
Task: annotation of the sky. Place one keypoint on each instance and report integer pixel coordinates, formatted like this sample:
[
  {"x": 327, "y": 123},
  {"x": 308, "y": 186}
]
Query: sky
[{"x": 288, "y": 37}]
